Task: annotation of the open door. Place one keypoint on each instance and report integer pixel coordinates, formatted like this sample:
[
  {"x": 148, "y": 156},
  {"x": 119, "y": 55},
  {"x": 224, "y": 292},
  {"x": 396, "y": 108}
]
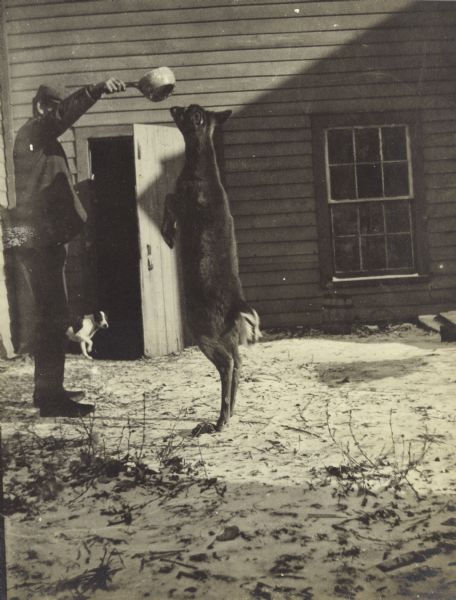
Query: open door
[{"x": 159, "y": 157}]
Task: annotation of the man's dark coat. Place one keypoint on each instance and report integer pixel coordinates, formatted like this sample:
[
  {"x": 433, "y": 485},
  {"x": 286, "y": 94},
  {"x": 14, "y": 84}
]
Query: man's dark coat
[{"x": 48, "y": 211}]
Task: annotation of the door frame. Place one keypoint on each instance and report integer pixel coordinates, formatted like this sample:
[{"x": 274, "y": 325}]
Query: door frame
[{"x": 83, "y": 135}]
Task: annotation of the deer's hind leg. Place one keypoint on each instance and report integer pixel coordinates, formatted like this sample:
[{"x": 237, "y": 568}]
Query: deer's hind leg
[
  {"x": 224, "y": 362},
  {"x": 237, "y": 362},
  {"x": 231, "y": 344}
]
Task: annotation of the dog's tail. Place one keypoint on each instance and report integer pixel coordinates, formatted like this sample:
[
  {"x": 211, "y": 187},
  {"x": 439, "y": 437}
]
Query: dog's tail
[{"x": 250, "y": 326}]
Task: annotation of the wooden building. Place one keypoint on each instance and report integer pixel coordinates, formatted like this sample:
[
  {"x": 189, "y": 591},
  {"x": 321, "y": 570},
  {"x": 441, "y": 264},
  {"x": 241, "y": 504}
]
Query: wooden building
[{"x": 339, "y": 159}]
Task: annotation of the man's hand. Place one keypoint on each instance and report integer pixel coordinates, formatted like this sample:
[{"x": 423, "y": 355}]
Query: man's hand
[{"x": 110, "y": 86}]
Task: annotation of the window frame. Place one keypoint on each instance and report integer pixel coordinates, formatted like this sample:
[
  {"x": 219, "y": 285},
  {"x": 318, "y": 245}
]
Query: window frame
[{"x": 319, "y": 124}]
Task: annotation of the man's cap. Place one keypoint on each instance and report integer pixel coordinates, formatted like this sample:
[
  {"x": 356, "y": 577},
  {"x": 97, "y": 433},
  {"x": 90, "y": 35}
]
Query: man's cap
[{"x": 47, "y": 93}]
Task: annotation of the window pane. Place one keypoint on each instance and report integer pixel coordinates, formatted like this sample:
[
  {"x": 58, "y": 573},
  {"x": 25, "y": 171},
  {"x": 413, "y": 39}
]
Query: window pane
[
  {"x": 394, "y": 143},
  {"x": 369, "y": 181},
  {"x": 367, "y": 144},
  {"x": 374, "y": 253},
  {"x": 347, "y": 254},
  {"x": 396, "y": 179},
  {"x": 340, "y": 146},
  {"x": 397, "y": 215},
  {"x": 400, "y": 251},
  {"x": 368, "y": 168},
  {"x": 345, "y": 219},
  {"x": 343, "y": 182},
  {"x": 371, "y": 217}
]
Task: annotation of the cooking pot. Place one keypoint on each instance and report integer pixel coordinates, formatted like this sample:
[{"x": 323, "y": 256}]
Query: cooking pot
[{"x": 156, "y": 85}]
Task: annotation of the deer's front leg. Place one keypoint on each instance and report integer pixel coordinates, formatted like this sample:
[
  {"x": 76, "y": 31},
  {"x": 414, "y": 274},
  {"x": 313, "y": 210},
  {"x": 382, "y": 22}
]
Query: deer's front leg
[{"x": 168, "y": 227}]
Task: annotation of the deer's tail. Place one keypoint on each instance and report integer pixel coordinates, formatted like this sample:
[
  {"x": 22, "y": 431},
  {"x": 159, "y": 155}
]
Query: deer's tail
[{"x": 250, "y": 325}]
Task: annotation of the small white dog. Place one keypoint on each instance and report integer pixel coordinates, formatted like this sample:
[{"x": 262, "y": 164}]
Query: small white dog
[{"x": 84, "y": 330}]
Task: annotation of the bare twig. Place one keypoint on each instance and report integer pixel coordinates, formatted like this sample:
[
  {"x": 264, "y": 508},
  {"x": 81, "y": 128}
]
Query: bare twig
[
  {"x": 202, "y": 460},
  {"x": 357, "y": 444},
  {"x": 301, "y": 430},
  {"x": 143, "y": 439},
  {"x": 385, "y": 465}
]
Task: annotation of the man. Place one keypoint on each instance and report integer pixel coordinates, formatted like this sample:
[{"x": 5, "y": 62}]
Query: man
[{"x": 48, "y": 214}]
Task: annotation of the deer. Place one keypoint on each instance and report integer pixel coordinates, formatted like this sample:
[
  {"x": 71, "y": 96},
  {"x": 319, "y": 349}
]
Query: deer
[{"x": 198, "y": 211}]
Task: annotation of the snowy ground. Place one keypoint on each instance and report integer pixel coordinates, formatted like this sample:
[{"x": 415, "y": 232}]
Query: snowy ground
[{"x": 335, "y": 479}]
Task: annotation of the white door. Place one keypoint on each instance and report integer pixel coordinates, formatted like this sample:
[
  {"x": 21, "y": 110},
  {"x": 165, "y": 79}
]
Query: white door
[{"x": 159, "y": 156}]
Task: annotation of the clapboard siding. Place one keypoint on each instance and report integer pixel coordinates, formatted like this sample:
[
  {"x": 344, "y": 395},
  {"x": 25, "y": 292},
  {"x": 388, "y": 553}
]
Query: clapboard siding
[
  {"x": 406, "y": 27},
  {"x": 443, "y": 225},
  {"x": 439, "y": 167},
  {"x": 277, "y": 103},
  {"x": 308, "y": 87},
  {"x": 269, "y": 177},
  {"x": 281, "y": 220},
  {"x": 289, "y": 89},
  {"x": 20, "y": 10},
  {"x": 157, "y": 22},
  {"x": 397, "y": 67},
  {"x": 443, "y": 209},
  {"x": 438, "y": 181},
  {"x": 273, "y": 192},
  {"x": 235, "y": 42},
  {"x": 280, "y": 262},
  {"x": 269, "y": 164},
  {"x": 272, "y": 235},
  {"x": 439, "y": 154},
  {"x": 274, "y": 63},
  {"x": 277, "y": 248},
  {"x": 280, "y": 279},
  {"x": 262, "y": 209},
  {"x": 312, "y": 316},
  {"x": 449, "y": 268},
  {"x": 310, "y": 57}
]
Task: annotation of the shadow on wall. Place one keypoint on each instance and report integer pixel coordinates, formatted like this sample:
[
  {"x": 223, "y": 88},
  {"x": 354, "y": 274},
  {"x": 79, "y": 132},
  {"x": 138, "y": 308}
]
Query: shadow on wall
[{"x": 401, "y": 62}]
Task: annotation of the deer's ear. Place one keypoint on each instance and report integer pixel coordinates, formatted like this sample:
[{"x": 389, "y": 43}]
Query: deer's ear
[
  {"x": 222, "y": 116},
  {"x": 177, "y": 113}
]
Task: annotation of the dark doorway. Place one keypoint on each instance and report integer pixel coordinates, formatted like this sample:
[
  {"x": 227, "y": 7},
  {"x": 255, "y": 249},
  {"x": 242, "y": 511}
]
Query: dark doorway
[{"x": 117, "y": 248}]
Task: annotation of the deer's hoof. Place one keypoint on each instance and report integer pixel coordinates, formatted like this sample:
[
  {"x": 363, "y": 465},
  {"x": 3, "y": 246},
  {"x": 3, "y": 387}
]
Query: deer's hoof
[
  {"x": 205, "y": 427},
  {"x": 220, "y": 425}
]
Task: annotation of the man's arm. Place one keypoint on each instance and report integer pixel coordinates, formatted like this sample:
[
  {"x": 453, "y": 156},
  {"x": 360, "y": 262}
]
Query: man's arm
[{"x": 69, "y": 110}]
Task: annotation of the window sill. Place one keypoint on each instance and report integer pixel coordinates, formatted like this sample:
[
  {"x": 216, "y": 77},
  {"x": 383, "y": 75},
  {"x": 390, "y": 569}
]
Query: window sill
[{"x": 377, "y": 280}]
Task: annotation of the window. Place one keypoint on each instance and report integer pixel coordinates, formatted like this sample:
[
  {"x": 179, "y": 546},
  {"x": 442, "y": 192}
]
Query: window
[{"x": 368, "y": 209}]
